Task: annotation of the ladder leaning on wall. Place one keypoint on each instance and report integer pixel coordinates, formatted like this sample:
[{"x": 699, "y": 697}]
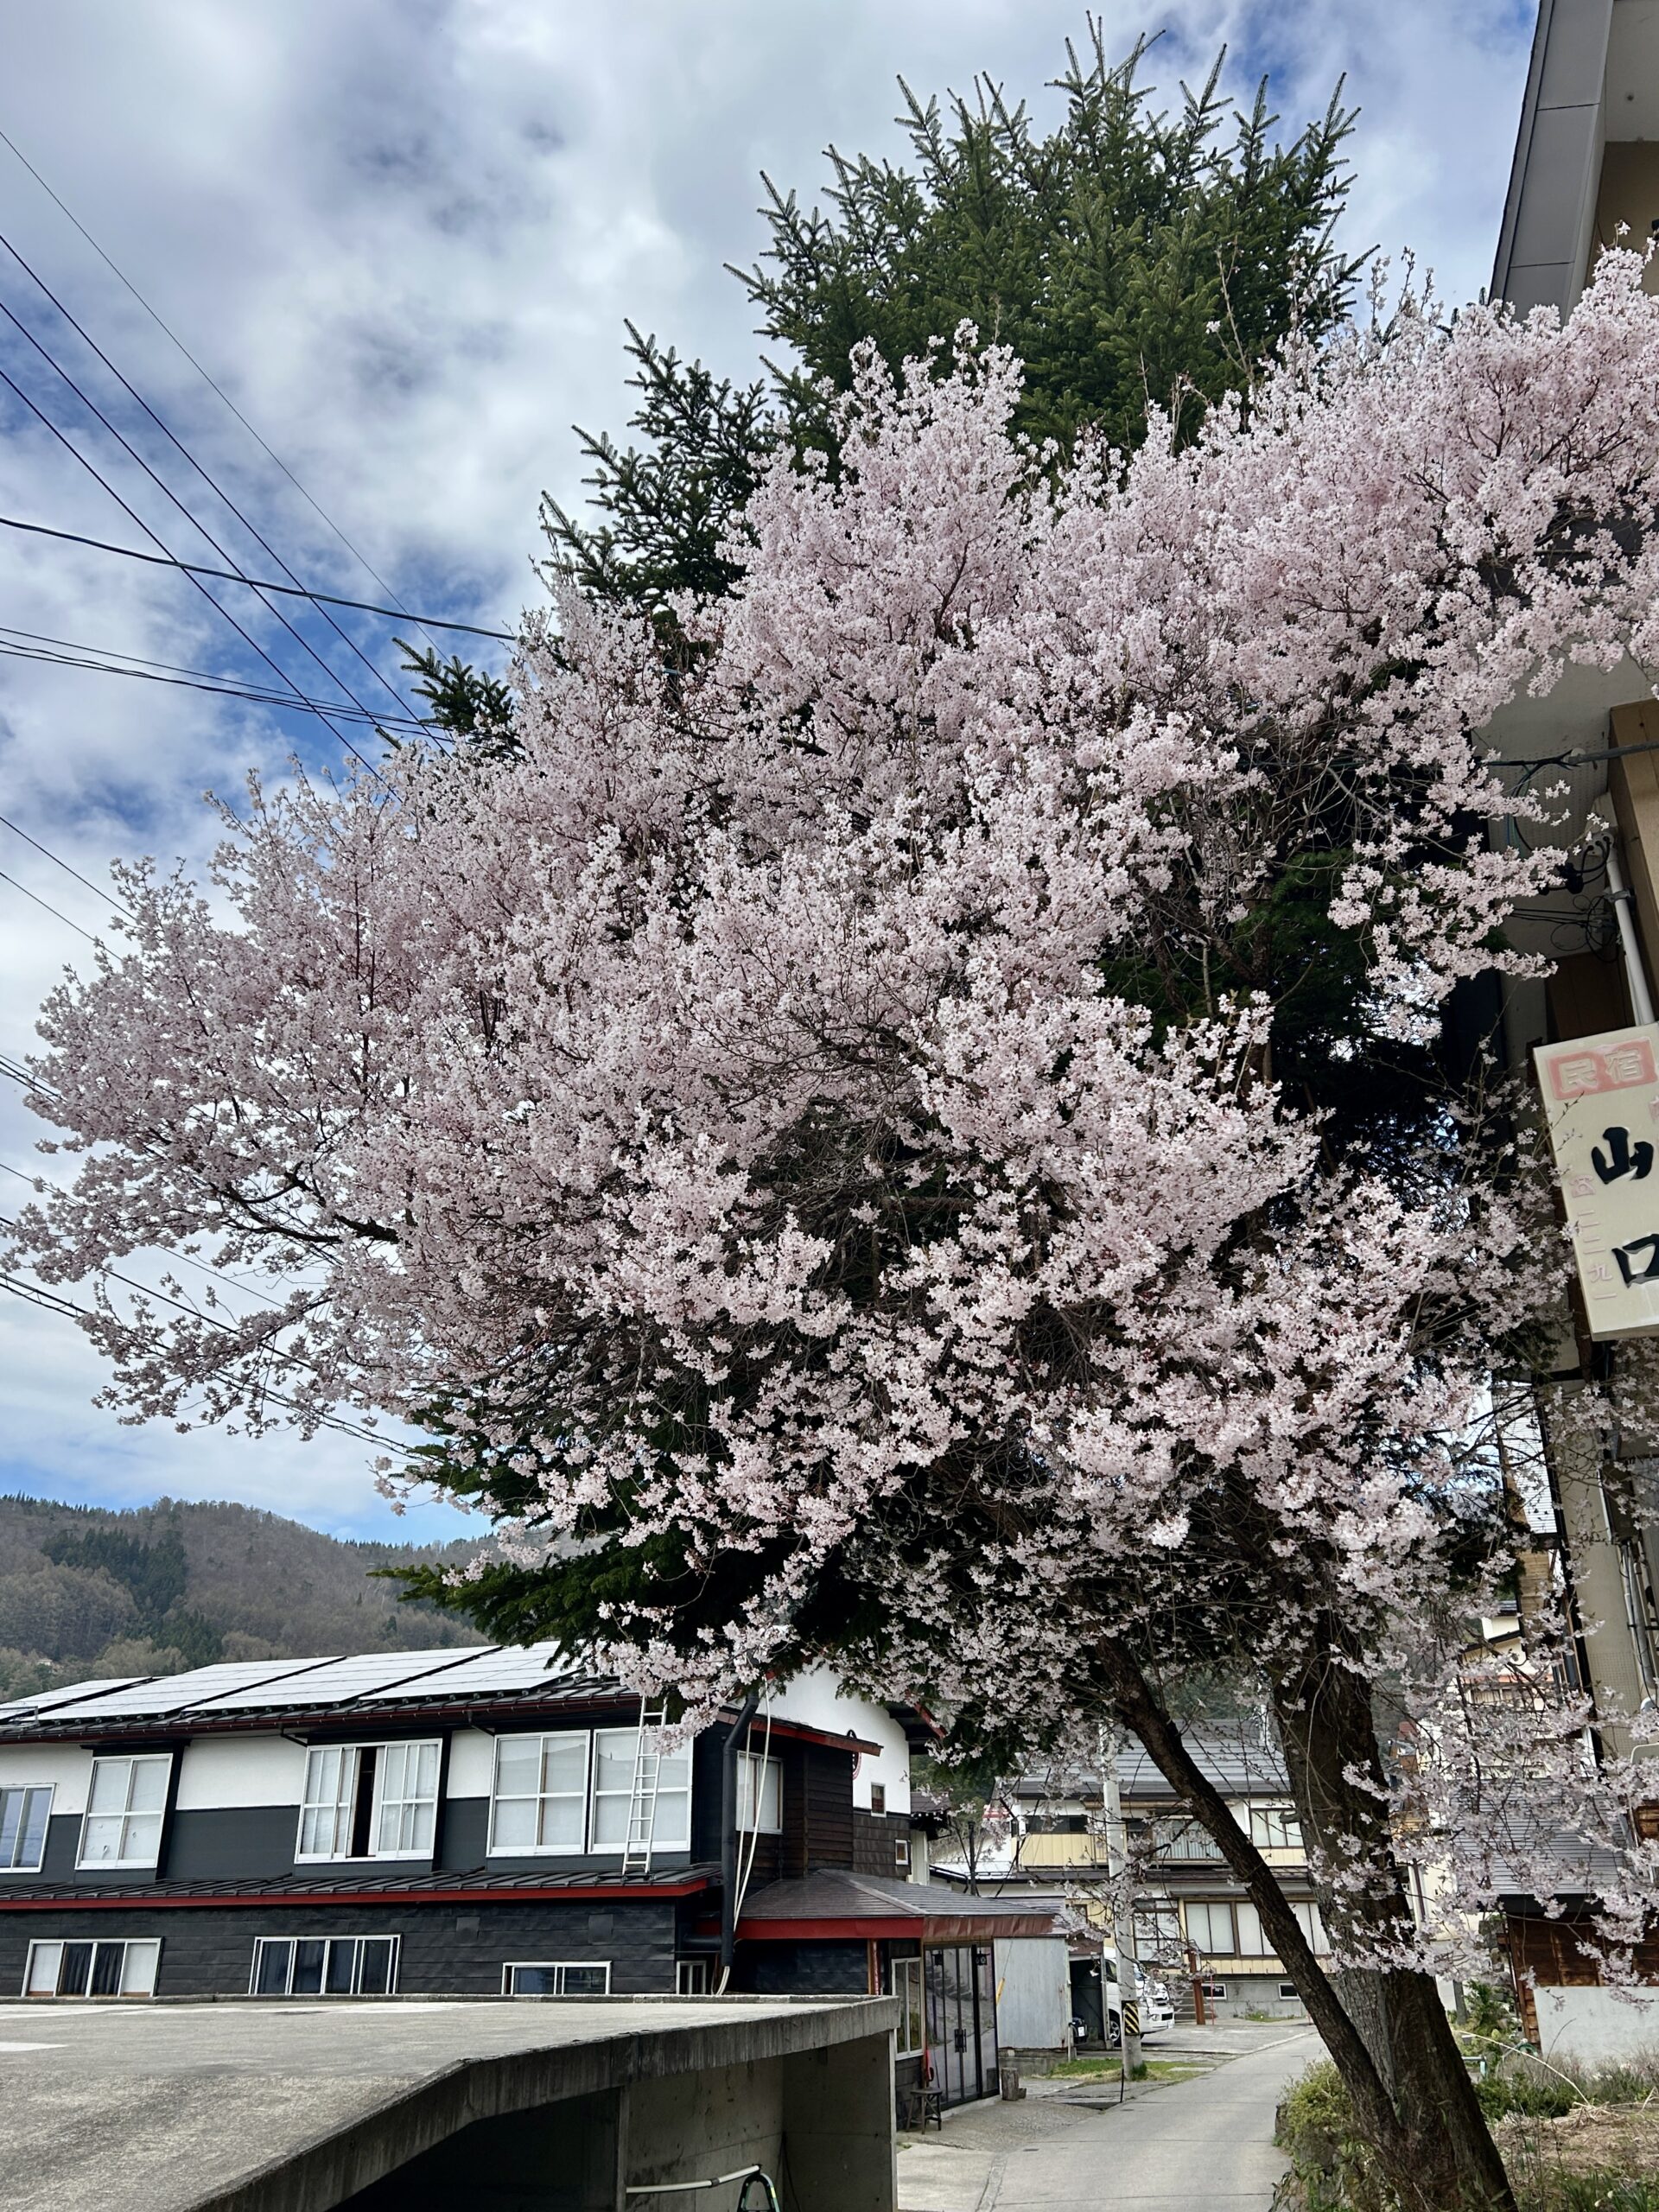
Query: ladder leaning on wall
[{"x": 642, "y": 1798}]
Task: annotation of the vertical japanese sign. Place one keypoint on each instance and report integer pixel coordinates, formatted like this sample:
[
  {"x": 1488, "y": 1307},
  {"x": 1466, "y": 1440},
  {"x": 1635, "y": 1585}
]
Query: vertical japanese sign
[{"x": 1601, "y": 1102}]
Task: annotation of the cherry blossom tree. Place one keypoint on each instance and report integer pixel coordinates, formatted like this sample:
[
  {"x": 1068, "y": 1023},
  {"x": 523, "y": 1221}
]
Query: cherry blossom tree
[{"x": 921, "y": 1132}]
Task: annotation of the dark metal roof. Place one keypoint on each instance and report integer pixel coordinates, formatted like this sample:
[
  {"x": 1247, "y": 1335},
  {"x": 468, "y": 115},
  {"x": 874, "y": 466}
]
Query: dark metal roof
[
  {"x": 1239, "y": 1758},
  {"x": 829, "y": 1897},
  {"x": 362, "y": 1884}
]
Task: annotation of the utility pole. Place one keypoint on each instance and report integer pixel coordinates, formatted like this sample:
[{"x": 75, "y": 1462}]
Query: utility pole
[{"x": 1117, "y": 1868}]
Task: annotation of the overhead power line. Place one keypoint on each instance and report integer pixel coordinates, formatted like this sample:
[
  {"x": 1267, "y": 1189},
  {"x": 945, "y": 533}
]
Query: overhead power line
[
  {"x": 58, "y": 861},
  {"x": 56, "y": 915},
  {"x": 53, "y": 652},
  {"x": 182, "y": 1259},
  {"x": 184, "y": 451},
  {"x": 154, "y": 538},
  {"x": 230, "y": 576},
  {"x": 132, "y": 515},
  {"x": 173, "y": 337}
]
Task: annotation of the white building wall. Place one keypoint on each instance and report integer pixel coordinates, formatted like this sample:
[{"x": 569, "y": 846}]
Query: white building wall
[
  {"x": 224, "y": 1770},
  {"x": 65, "y": 1766},
  {"x": 815, "y": 1700},
  {"x": 1595, "y": 2027}
]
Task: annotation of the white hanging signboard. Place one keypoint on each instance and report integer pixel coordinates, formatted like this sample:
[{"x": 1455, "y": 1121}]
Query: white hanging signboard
[{"x": 1601, "y": 1102}]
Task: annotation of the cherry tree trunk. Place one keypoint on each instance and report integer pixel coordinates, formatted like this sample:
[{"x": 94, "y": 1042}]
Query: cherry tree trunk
[
  {"x": 1442, "y": 2147},
  {"x": 1386, "y": 2032}
]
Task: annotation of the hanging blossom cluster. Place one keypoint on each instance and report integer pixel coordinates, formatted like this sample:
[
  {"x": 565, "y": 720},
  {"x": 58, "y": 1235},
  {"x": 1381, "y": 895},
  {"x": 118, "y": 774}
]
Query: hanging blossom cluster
[{"x": 812, "y": 1101}]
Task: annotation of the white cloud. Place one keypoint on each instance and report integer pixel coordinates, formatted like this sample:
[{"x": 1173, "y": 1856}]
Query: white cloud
[{"x": 403, "y": 235}]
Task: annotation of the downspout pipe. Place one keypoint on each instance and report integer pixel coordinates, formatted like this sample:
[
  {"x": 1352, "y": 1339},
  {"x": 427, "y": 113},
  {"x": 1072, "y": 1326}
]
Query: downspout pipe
[
  {"x": 1630, "y": 943},
  {"x": 728, "y": 1833}
]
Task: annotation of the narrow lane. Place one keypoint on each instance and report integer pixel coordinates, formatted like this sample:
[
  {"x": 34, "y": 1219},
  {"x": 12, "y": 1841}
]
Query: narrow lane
[{"x": 1207, "y": 2141}]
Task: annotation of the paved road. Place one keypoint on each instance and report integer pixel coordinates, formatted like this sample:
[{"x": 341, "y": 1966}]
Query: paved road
[{"x": 1208, "y": 2141}]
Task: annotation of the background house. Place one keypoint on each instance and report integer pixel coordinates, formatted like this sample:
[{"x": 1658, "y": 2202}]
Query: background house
[{"x": 1195, "y": 1930}]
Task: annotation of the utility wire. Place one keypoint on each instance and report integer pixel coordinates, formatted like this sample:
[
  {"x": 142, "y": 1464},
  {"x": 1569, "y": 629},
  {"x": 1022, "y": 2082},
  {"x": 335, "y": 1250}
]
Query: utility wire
[
  {"x": 58, "y": 861},
  {"x": 50, "y": 1301},
  {"x": 195, "y": 523},
  {"x": 214, "y": 486},
  {"x": 214, "y": 1274},
  {"x": 231, "y": 576},
  {"x": 69, "y": 447},
  {"x": 51, "y": 910},
  {"x": 203, "y": 680},
  {"x": 122, "y": 277}
]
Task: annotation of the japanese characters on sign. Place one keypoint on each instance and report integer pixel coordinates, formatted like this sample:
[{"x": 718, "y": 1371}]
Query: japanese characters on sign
[{"x": 1601, "y": 1101}]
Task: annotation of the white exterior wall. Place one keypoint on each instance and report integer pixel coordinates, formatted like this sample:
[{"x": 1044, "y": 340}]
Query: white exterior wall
[
  {"x": 65, "y": 1766},
  {"x": 222, "y": 1771},
  {"x": 1033, "y": 1991},
  {"x": 1597, "y": 2026},
  {"x": 815, "y": 1700}
]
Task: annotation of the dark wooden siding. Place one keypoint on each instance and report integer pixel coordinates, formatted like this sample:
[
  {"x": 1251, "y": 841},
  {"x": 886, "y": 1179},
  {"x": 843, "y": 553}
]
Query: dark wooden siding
[
  {"x": 818, "y": 1828},
  {"x": 446, "y": 1950}
]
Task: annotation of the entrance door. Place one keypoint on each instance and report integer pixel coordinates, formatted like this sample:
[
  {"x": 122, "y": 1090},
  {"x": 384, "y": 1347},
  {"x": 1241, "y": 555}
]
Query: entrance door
[{"x": 962, "y": 2023}]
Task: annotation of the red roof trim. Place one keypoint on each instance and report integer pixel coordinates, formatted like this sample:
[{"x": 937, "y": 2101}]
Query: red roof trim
[
  {"x": 946, "y": 1929},
  {"x": 140, "y": 1900}
]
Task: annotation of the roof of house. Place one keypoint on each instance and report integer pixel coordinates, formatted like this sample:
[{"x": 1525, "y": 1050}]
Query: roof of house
[
  {"x": 376, "y": 1881},
  {"x": 831, "y": 1901},
  {"x": 377, "y": 1687},
  {"x": 1238, "y": 1757}
]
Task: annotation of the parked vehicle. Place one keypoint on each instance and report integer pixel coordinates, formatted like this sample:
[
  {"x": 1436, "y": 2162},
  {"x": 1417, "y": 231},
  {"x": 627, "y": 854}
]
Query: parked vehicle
[{"x": 1153, "y": 1999}]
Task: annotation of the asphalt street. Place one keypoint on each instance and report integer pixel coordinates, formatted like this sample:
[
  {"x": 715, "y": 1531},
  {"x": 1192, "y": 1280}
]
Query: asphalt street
[{"x": 1206, "y": 2141}]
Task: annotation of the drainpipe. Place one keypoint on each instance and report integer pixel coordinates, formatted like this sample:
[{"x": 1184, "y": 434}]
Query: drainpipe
[
  {"x": 728, "y": 1835},
  {"x": 1618, "y": 891}
]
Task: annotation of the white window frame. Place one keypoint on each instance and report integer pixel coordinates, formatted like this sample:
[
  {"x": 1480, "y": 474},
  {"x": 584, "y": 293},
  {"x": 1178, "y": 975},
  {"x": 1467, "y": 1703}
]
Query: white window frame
[
  {"x": 26, "y": 1790},
  {"x": 406, "y": 1807},
  {"x": 694, "y": 1977},
  {"x": 1209, "y": 1905},
  {"x": 1311, "y": 1921},
  {"x": 132, "y": 1761},
  {"x": 1217, "y": 1990},
  {"x": 901, "y": 1853},
  {"x": 122, "y": 1943},
  {"x": 597, "y": 1796},
  {"x": 771, "y": 1772},
  {"x": 556, "y": 1967},
  {"x": 343, "y": 1804},
  {"x": 911, "y": 2008},
  {"x": 578, "y": 1849},
  {"x": 328, "y": 1943},
  {"x": 1266, "y": 1819},
  {"x": 1288, "y": 1993}
]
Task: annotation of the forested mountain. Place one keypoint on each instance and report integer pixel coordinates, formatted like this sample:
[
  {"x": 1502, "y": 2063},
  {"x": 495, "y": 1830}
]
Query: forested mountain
[{"x": 86, "y": 1593}]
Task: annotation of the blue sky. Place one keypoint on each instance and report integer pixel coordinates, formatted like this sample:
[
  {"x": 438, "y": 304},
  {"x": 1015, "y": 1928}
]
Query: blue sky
[{"x": 403, "y": 235}]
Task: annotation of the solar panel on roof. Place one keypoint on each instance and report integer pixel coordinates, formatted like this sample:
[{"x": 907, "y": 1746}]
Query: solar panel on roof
[
  {"x": 336, "y": 1681},
  {"x": 175, "y": 1693},
  {"x": 66, "y": 1694},
  {"x": 506, "y": 1667}
]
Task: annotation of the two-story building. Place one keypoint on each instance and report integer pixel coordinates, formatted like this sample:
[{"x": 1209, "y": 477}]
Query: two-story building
[
  {"x": 1586, "y": 178},
  {"x": 1195, "y": 1930},
  {"x": 477, "y": 1822}
]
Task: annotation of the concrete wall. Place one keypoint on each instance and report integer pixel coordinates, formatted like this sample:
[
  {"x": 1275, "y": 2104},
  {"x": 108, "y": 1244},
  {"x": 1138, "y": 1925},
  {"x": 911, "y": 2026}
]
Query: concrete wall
[
  {"x": 1596, "y": 2027},
  {"x": 820, "y": 2123}
]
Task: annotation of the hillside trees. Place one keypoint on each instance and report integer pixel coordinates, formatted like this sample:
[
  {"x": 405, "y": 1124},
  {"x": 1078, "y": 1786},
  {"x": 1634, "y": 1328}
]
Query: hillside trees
[{"x": 918, "y": 1134}]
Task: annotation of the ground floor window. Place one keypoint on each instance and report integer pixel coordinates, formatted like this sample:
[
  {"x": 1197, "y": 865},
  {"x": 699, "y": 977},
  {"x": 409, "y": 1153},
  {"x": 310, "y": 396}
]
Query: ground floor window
[
  {"x": 693, "y": 1977},
  {"x": 908, "y": 1988},
  {"x": 560, "y": 1979},
  {"x": 92, "y": 1970},
  {"x": 1287, "y": 1990},
  {"x": 324, "y": 1966},
  {"x": 1215, "y": 1989}
]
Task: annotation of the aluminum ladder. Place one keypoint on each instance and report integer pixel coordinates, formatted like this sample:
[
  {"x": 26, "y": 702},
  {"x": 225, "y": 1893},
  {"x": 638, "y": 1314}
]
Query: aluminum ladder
[{"x": 642, "y": 1798}]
